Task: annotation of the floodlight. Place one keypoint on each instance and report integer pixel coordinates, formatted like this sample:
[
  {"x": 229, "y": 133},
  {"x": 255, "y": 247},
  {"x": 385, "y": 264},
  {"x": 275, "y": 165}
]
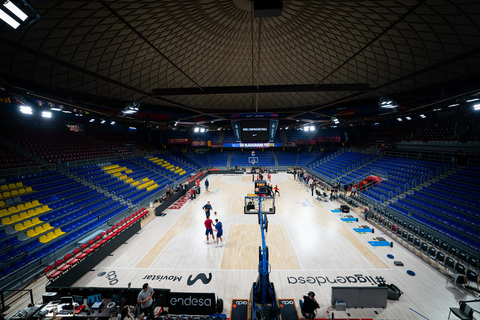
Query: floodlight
[
  {"x": 476, "y": 107},
  {"x": 132, "y": 128},
  {"x": 102, "y": 122},
  {"x": 26, "y": 110},
  {"x": 408, "y": 118},
  {"x": 453, "y": 105},
  {"x": 384, "y": 102},
  {"x": 471, "y": 100},
  {"x": 202, "y": 129},
  {"x": 9, "y": 20},
  {"x": 312, "y": 128},
  {"x": 306, "y": 128},
  {"x": 423, "y": 116},
  {"x": 55, "y": 109},
  {"x": 15, "y": 10},
  {"x": 112, "y": 123},
  {"x": 66, "y": 111},
  {"x": 196, "y": 129},
  {"x": 46, "y": 114},
  {"x": 92, "y": 120},
  {"x": 399, "y": 119}
]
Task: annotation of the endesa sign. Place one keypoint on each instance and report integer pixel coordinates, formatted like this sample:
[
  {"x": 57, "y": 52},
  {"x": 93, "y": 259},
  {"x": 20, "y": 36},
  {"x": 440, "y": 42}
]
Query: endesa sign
[{"x": 191, "y": 303}]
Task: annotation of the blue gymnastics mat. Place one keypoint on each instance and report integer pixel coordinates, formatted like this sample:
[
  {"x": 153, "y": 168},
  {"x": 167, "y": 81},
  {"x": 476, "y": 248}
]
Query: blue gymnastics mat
[
  {"x": 362, "y": 230},
  {"x": 336, "y": 210},
  {"x": 379, "y": 243},
  {"x": 348, "y": 219}
]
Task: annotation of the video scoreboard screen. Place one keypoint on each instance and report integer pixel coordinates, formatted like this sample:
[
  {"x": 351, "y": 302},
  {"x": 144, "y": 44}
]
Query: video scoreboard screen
[{"x": 255, "y": 130}]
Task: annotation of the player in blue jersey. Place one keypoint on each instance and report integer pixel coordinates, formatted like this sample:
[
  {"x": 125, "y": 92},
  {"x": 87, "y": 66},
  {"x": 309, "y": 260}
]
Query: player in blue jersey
[{"x": 219, "y": 229}]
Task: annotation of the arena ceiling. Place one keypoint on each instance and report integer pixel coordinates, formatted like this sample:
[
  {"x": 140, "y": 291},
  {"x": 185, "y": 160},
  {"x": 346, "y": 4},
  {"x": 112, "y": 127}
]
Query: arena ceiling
[{"x": 209, "y": 59}]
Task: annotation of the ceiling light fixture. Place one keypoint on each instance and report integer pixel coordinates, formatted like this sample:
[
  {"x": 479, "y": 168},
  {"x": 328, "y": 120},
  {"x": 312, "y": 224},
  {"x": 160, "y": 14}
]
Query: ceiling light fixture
[
  {"x": 9, "y": 20},
  {"x": 471, "y": 100},
  {"x": 26, "y": 110},
  {"x": 423, "y": 116},
  {"x": 399, "y": 119},
  {"x": 112, "y": 123},
  {"x": 15, "y": 10},
  {"x": 46, "y": 114},
  {"x": 385, "y": 102},
  {"x": 476, "y": 107}
]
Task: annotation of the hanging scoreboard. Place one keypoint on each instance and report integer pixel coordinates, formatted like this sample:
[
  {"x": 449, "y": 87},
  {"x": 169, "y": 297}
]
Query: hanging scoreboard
[{"x": 261, "y": 187}]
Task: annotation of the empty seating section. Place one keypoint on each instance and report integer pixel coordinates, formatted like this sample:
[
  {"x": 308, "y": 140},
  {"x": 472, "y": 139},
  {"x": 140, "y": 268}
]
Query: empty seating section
[
  {"x": 56, "y": 144},
  {"x": 436, "y": 132},
  {"x": 10, "y": 158},
  {"x": 336, "y": 167},
  {"x": 264, "y": 159},
  {"x": 217, "y": 158},
  {"x": 127, "y": 180},
  {"x": 399, "y": 175},
  {"x": 449, "y": 206},
  {"x": 56, "y": 211},
  {"x": 288, "y": 158},
  {"x": 293, "y": 135},
  {"x": 119, "y": 143}
]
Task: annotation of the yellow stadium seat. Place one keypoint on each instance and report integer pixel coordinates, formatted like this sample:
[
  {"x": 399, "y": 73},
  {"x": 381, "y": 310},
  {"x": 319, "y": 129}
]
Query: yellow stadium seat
[
  {"x": 31, "y": 233},
  {"x": 19, "y": 227},
  {"x": 2, "y": 203},
  {"x": 28, "y": 205},
  {"x": 29, "y": 189},
  {"x": 21, "y": 207},
  {"x": 6, "y": 221},
  {"x": 12, "y": 210},
  {"x": 24, "y": 215},
  {"x": 11, "y": 186},
  {"x": 51, "y": 236},
  {"x": 45, "y": 208},
  {"x": 32, "y": 213},
  {"x": 43, "y": 239},
  {"x": 4, "y": 212},
  {"x": 59, "y": 232},
  {"x": 38, "y": 210},
  {"x": 38, "y": 230},
  {"x": 35, "y": 203},
  {"x": 36, "y": 221},
  {"x": 47, "y": 227},
  {"x": 6, "y": 194},
  {"x": 4, "y": 187},
  {"x": 15, "y": 218},
  {"x": 21, "y": 190},
  {"x": 14, "y": 193},
  {"x": 27, "y": 224},
  {"x": 19, "y": 184}
]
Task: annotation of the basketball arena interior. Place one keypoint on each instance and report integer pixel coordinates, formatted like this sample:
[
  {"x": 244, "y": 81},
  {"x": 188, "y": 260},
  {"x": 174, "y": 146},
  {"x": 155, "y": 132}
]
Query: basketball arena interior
[{"x": 334, "y": 145}]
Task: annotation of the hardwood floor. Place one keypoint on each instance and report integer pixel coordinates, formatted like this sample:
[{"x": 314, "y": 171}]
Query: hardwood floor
[{"x": 310, "y": 249}]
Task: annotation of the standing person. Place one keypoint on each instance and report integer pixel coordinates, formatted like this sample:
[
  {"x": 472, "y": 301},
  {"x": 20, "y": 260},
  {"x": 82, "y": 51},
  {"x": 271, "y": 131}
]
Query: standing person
[
  {"x": 309, "y": 305},
  {"x": 206, "y": 185},
  {"x": 167, "y": 189},
  {"x": 192, "y": 193},
  {"x": 312, "y": 187},
  {"x": 354, "y": 191},
  {"x": 209, "y": 228},
  {"x": 219, "y": 229},
  {"x": 276, "y": 190},
  {"x": 253, "y": 178},
  {"x": 207, "y": 208},
  {"x": 345, "y": 190},
  {"x": 145, "y": 299},
  {"x": 269, "y": 177}
]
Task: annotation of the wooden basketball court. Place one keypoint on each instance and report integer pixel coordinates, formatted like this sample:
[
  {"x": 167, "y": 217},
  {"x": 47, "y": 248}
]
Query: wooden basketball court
[{"x": 310, "y": 249}]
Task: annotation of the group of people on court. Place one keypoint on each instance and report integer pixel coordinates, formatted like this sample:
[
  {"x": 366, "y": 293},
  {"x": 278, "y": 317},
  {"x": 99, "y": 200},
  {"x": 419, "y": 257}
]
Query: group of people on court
[{"x": 210, "y": 226}]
